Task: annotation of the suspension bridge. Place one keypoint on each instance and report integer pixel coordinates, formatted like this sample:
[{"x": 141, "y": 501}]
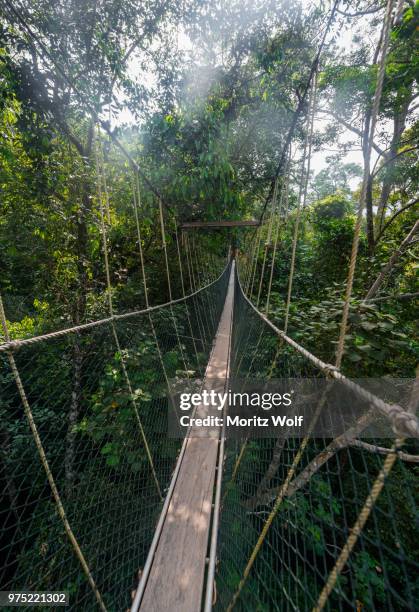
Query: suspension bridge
[
  {"x": 98, "y": 501},
  {"x": 203, "y": 522}
]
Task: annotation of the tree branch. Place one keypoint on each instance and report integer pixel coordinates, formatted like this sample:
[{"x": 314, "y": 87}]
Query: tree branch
[
  {"x": 359, "y": 13},
  {"x": 381, "y": 450},
  {"x": 351, "y": 127},
  {"x": 387, "y": 268},
  {"x": 400, "y": 296},
  {"x": 297, "y": 112},
  {"x": 396, "y": 214},
  {"x": 378, "y": 170},
  {"x": 338, "y": 443}
]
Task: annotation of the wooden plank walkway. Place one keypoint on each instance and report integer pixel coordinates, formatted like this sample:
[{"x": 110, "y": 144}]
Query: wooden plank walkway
[{"x": 176, "y": 579}]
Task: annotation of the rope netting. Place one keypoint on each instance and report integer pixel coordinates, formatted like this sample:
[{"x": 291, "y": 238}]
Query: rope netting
[
  {"x": 307, "y": 494},
  {"x": 76, "y": 389}
]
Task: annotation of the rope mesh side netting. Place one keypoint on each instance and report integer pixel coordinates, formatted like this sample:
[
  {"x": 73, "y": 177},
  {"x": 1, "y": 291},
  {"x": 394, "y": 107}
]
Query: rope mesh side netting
[
  {"x": 313, "y": 491},
  {"x": 94, "y": 434}
]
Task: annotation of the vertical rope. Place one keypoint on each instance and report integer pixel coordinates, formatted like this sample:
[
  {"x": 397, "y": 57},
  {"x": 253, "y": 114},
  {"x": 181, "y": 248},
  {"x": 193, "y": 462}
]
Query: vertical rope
[
  {"x": 313, "y": 100},
  {"x": 304, "y": 443},
  {"x": 169, "y": 286},
  {"x": 164, "y": 244},
  {"x": 208, "y": 309},
  {"x": 259, "y": 241},
  {"x": 355, "y": 244},
  {"x": 193, "y": 284},
  {"x": 251, "y": 261},
  {"x": 283, "y": 197},
  {"x": 287, "y": 187},
  {"x": 115, "y": 333},
  {"x": 104, "y": 179},
  {"x": 44, "y": 461},
  {"x": 268, "y": 240},
  {"x": 358, "y": 526},
  {"x": 379, "y": 483},
  {"x": 182, "y": 282},
  {"x": 136, "y": 201},
  {"x": 297, "y": 224}
]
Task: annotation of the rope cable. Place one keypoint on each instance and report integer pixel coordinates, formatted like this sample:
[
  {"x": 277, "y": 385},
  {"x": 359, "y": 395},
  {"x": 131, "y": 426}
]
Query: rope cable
[
  {"x": 355, "y": 244},
  {"x": 282, "y": 201},
  {"x": 302, "y": 190},
  {"x": 169, "y": 286},
  {"x": 182, "y": 282},
  {"x": 401, "y": 420},
  {"x": 44, "y": 461},
  {"x": 136, "y": 201},
  {"x": 268, "y": 240},
  {"x": 100, "y": 171}
]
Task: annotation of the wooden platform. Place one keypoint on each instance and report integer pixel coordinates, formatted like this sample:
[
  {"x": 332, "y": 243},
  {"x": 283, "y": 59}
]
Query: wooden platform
[{"x": 175, "y": 580}]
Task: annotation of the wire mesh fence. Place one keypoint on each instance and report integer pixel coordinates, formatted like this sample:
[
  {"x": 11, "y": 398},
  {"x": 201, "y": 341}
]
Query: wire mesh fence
[
  {"x": 94, "y": 429},
  {"x": 319, "y": 506}
]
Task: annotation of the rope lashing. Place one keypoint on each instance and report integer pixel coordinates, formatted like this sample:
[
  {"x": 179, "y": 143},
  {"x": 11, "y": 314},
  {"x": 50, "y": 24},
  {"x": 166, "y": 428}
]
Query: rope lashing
[{"x": 44, "y": 461}]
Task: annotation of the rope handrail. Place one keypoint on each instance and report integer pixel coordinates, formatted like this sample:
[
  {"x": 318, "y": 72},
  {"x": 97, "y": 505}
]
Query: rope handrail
[
  {"x": 16, "y": 344},
  {"x": 402, "y": 421}
]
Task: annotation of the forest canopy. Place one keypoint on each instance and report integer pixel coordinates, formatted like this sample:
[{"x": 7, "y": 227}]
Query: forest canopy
[{"x": 203, "y": 95}]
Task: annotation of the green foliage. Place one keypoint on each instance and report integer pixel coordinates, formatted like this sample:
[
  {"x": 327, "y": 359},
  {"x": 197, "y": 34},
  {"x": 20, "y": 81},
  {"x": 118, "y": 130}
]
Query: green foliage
[
  {"x": 212, "y": 125},
  {"x": 332, "y": 207}
]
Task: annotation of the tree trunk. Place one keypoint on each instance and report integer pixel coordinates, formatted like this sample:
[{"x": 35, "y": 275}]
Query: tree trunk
[
  {"x": 370, "y": 216},
  {"x": 367, "y": 172},
  {"x": 399, "y": 123}
]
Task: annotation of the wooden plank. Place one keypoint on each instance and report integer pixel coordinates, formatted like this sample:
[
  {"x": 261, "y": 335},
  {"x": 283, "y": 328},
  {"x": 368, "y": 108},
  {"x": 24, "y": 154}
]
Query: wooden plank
[
  {"x": 214, "y": 224},
  {"x": 176, "y": 579}
]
